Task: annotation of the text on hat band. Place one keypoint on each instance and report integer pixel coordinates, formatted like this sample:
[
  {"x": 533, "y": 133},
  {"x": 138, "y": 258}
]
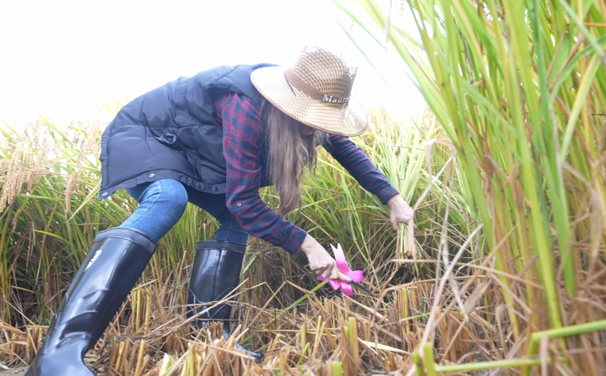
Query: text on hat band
[{"x": 303, "y": 86}]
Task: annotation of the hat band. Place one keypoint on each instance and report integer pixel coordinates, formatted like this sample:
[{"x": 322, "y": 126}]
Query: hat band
[{"x": 303, "y": 86}]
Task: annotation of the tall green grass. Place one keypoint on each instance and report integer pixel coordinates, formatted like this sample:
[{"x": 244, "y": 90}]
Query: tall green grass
[{"x": 519, "y": 87}]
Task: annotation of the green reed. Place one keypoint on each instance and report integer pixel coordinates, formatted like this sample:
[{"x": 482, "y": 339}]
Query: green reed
[{"x": 519, "y": 87}]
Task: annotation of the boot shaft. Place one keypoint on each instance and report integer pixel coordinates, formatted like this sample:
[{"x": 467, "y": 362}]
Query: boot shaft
[
  {"x": 214, "y": 274},
  {"x": 110, "y": 270}
]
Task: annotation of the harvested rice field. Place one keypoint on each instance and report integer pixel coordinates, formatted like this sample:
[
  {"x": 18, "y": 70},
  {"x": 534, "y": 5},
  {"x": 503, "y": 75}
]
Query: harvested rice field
[{"x": 502, "y": 273}]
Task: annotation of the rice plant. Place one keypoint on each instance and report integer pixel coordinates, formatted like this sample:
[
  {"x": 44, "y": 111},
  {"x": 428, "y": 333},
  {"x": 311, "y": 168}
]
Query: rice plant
[
  {"x": 50, "y": 215},
  {"x": 519, "y": 88}
]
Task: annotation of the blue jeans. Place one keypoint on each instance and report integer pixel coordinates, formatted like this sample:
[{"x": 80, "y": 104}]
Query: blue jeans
[{"x": 162, "y": 203}]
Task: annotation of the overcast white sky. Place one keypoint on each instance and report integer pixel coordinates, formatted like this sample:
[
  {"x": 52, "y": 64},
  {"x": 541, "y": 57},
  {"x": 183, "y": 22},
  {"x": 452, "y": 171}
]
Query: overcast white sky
[{"x": 62, "y": 57}]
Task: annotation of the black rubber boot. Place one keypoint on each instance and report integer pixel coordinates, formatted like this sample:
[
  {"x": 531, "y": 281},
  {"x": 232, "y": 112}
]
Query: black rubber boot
[
  {"x": 215, "y": 273},
  {"x": 109, "y": 271}
]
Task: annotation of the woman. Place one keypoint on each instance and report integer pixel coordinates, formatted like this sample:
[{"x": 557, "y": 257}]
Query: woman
[{"x": 213, "y": 140}]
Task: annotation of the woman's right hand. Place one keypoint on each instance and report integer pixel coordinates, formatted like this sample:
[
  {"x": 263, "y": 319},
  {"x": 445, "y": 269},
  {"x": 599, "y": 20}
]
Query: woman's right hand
[{"x": 319, "y": 260}]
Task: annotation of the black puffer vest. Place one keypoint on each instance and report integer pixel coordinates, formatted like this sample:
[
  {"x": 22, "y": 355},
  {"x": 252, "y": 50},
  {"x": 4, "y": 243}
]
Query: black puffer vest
[{"x": 171, "y": 133}]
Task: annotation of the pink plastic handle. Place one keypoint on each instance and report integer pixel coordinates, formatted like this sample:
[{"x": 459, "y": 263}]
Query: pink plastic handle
[{"x": 354, "y": 275}]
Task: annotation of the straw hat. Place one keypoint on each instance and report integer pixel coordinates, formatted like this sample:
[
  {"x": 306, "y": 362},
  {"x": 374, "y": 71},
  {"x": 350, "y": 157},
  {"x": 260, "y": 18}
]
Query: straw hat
[{"x": 316, "y": 91}]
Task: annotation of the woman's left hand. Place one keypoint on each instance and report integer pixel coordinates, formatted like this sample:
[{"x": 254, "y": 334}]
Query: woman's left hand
[{"x": 399, "y": 211}]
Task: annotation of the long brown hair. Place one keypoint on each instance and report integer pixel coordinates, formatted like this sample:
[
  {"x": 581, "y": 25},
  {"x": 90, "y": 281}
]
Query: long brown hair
[{"x": 288, "y": 154}]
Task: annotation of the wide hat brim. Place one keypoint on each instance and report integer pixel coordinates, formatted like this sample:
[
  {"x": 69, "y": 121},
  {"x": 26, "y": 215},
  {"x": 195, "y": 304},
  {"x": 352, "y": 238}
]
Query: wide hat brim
[{"x": 348, "y": 119}]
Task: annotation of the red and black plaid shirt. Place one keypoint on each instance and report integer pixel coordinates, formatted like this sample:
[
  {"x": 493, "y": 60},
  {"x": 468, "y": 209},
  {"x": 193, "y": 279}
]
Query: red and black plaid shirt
[{"x": 243, "y": 150}]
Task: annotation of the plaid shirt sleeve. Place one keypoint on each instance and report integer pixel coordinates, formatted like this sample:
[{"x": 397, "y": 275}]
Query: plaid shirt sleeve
[
  {"x": 350, "y": 156},
  {"x": 243, "y": 151}
]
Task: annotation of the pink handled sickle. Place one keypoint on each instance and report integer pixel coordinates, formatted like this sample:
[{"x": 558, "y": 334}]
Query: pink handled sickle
[{"x": 347, "y": 277}]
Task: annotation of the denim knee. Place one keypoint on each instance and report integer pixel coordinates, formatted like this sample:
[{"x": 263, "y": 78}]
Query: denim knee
[
  {"x": 170, "y": 194},
  {"x": 161, "y": 205}
]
